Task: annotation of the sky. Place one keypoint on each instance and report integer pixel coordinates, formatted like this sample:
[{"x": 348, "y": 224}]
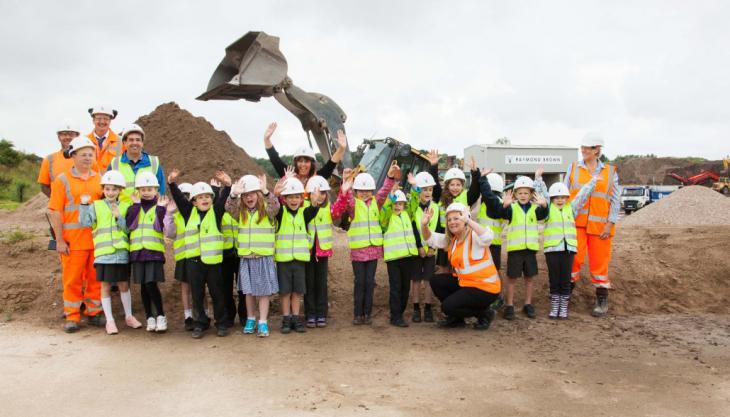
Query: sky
[{"x": 650, "y": 76}]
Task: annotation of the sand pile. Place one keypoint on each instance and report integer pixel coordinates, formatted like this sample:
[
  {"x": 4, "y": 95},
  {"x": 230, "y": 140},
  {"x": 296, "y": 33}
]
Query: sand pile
[
  {"x": 645, "y": 170},
  {"x": 688, "y": 206}
]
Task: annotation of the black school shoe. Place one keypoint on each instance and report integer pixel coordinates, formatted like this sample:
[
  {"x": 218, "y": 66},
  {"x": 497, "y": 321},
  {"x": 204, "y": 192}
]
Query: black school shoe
[
  {"x": 428, "y": 314},
  {"x": 197, "y": 333},
  {"x": 399, "y": 322},
  {"x": 529, "y": 311},
  {"x": 416, "y": 317},
  {"x": 286, "y": 324},
  {"x": 485, "y": 320},
  {"x": 509, "y": 313},
  {"x": 298, "y": 324},
  {"x": 189, "y": 324},
  {"x": 223, "y": 331},
  {"x": 451, "y": 323}
]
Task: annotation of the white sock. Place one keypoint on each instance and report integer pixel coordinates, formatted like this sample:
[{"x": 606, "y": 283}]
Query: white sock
[
  {"x": 106, "y": 305},
  {"x": 251, "y": 317},
  {"x": 188, "y": 313},
  {"x": 262, "y": 321},
  {"x": 126, "y": 302}
]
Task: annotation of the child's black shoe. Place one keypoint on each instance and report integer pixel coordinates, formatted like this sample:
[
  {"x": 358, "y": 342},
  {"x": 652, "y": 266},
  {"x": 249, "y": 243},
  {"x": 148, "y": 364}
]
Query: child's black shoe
[
  {"x": 399, "y": 322},
  {"x": 416, "y": 317},
  {"x": 189, "y": 324},
  {"x": 286, "y": 324},
  {"x": 529, "y": 311},
  {"x": 197, "y": 333},
  {"x": 509, "y": 313},
  {"x": 298, "y": 324},
  {"x": 428, "y": 314}
]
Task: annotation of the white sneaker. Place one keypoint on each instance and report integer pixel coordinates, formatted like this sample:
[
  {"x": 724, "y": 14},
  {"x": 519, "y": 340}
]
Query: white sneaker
[
  {"x": 161, "y": 324},
  {"x": 151, "y": 324}
]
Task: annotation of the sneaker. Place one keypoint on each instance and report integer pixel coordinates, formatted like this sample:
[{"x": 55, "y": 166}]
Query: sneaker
[
  {"x": 298, "y": 324},
  {"x": 321, "y": 321},
  {"x": 189, "y": 324},
  {"x": 132, "y": 322},
  {"x": 111, "y": 328},
  {"x": 97, "y": 320},
  {"x": 263, "y": 330},
  {"x": 151, "y": 324},
  {"x": 563, "y": 311},
  {"x": 416, "y": 317},
  {"x": 428, "y": 314},
  {"x": 399, "y": 322},
  {"x": 223, "y": 331},
  {"x": 357, "y": 320},
  {"x": 555, "y": 302},
  {"x": 286, "y": 324},
  {"x": 529, "y": 311},
  {"x": 249, "y": 327},
  {"x": 451, "y": 323},
  {"x": 311, "y": 322},
  {"x": 161, "y": 324},
  {"x": 197, "y": 333},
  {"x": 70, "y": 326},
  {"x": 367, "y": 320},
  {"x": 485, "y": 320},
  {"x": 509, "y": 313}
]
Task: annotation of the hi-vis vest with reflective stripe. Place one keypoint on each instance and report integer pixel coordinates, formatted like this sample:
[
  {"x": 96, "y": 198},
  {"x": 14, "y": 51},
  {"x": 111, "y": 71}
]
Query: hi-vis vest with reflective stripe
[
  {"x": 229, "y": 228},
  {"x": 418, "y": 215},
  {"x": 399, "y": 241},
  {"x": 558, "y": 226},
  {"x": 522, "y": 232},
  {"x": 145, "y": 236},
  {"x": 321, "y": 227},
  {"x": 474, "y": 269},
  {"x": 594, "y": 213},
  {"x": 71, "y": 209},
  {"x": 178, "y": 245},
  {"x": 461, "y": 198},
  {"x": 129, "y": 174},
  {"x": 497, "y": 225},
  {"x": 365, "y": 228},
  {"x": 292, "y": 242},
  {"x": 108, "y": 237},
  {"x": 255, "y": 237},
  {"x": 203, "y": 239}
]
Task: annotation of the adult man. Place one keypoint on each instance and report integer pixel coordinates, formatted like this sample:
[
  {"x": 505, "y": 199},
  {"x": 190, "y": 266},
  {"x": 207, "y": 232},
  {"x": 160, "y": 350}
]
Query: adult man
[
  {"x": 134, "y": 160},
  {"x": 108, "y": 145},
  {"x": 56, "y": 163}
]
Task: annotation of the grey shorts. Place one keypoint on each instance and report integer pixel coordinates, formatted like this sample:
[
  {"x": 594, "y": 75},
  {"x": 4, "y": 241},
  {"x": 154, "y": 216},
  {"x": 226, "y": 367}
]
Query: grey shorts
[
  {"x": 292, "y": 277},
  {"x": 423, "y": 268}
]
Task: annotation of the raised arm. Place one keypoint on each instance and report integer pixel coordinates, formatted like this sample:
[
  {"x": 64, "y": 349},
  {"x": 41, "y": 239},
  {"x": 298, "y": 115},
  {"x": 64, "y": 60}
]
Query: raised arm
[
  {"x": 495, "y": 207},
  {"x": 279, "y": 165}
]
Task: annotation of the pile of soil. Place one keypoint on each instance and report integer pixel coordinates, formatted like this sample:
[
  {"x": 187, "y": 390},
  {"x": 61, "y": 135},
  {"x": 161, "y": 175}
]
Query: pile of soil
[
  {"x": 688, "y": 206},
  {"x": 646, "y": 170}
]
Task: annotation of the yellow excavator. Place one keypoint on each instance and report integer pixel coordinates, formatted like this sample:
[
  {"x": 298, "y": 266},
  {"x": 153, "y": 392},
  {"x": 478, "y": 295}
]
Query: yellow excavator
[{"x": 723, "y": 184}]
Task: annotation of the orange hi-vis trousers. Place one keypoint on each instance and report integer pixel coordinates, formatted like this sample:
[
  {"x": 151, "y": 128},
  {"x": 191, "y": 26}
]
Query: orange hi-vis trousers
[
  {"x": 80, "y": 284},
  {"x": 599, "y": 256}
]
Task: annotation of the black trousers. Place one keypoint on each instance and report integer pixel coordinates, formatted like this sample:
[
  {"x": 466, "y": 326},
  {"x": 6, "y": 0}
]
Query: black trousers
[
  {"x": 210, "y": 275},
  {"x": 364, "y": 286},
  {"x": 315, "y": 299},
  {"x": 400, "y": 272},
  {"x": 560, "y": 265},
  {"x": 460, "y": 302},
  {"x": 229, "y": 271}
]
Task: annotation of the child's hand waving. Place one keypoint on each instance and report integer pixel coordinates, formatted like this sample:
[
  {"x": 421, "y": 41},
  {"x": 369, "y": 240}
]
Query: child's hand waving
[
  {"x": 426, "y": 216},
  {"x": 172, "y": 176},
  {"x": 224, "y": 178},
  {"x": 507, "y": 199}
]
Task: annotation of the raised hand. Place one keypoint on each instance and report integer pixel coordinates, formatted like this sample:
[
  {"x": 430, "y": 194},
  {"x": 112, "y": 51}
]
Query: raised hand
[
  {"x": 172, "y": 176},
  {"x": 540, "y": 200},
  {"x": 162, "y": 201},
  {"x": 262, "y": 182},
  {"x": 237, "y": 188},
  {"x": 85, "y": 199},
  {"x": 135, "y": 197},
  {"x": 394, "y": 170},
  {"x": 507, "y": 199},
  {"x": 433, "y": 157},
  {"x": 346, "y": 185},
  {"x": 346, "y": 173},
  {"x": 268, "y": 133},
  {"x": 341, "y": 139},
  {"x": 279, "y": 187},
  {"x": 472, "y": 164},
  {"x": 214, "y": 183},
  {"x": 224, "y": 178},
  {"x": 426, "y": 216},
  {"x": 539, "y": 172},
  {"x": 289, "y": 172},
  {"x": 486, "y": 171},
  {"x": 411, "y": 179},
  {"x": 115, "y": 210},
  {"x": 171, "y": 206},
  {"x": 316, "y": 197}
]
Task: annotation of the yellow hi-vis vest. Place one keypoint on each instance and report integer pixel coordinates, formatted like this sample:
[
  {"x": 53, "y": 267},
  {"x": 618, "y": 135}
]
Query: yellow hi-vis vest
[
  {"x": 178, "y": 245},
  {"x": 365, "y": 228},
  {"x": 321, "y": 227},
  {"x": 145, "y": 236},
  {"x": 560, "y": 225},
  {"x": 522, "y": 232},
  {"x": 255, "y": 237},
  {"x": 497, "y": 225},
  {"x": 203, "y": 239},
  {"x": 229, "y": 227},
  {"x": 129, "y": 175},
  {"x": 431, "y": 223},
  {"x": 399, "y": 241},
  {"x": 461, "y": 198},
  {"x": 108, "y": 237},
  {"x": 292, "y": 242}
]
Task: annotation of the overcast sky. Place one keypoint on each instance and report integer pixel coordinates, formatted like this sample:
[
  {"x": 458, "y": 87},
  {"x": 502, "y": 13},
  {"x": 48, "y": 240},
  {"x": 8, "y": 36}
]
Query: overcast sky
[{"x": 652, "y": 77}]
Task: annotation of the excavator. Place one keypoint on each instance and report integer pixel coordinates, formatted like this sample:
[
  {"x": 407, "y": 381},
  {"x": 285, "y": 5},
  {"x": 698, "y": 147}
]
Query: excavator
[
  {"x": 722, "y": 185},
  {"x": 253, "y": 67}
]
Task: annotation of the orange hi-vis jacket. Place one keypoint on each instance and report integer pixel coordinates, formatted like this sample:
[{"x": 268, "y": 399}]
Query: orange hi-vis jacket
[
  {"x": 593, "y": 216},
  {"x": 66, "y": 192},
  {"x": 474, "y": 271},
  {"x": 53, "y": 165},
  {"x": 112, "y": 147}
]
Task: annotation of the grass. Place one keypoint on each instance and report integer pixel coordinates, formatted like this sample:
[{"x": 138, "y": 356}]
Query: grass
[
  {"x": 9, "y": 205},
  {"x": 16, "y": 236}
]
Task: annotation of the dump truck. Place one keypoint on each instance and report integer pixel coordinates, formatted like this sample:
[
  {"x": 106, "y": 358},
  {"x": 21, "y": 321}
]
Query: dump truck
[{"x": 635, "y": 197}]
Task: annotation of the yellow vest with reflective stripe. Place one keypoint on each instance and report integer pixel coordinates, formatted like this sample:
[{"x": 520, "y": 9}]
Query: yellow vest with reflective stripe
[
  {"x": 203, "y": 239},
  {"x": 431, "y": 224},
  {"x": 108, "y": 237},
  {"x": 461, "y": 198},
  {"x": 254, "y": 237},
  {"x": 321, "y": 227},
  {"x": 399, "y": 241},
  {"x": 497, "y": 225},
  {"x": 365, "y": 228},
  {"x": 522, "y": 232},
  {"x": 129, "y": 174},
  {"x": 145, "y": 236},
  {"x": 292, "y": 242},
  {"x": 560, "y": 225},
  {"x": 178, "y": 245},
  {"x": 229, "y": 226}
]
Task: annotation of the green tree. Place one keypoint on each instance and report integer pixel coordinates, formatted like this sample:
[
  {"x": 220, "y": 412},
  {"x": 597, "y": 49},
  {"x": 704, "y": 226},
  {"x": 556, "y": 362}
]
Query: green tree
[{"x": 9, "y": 157}]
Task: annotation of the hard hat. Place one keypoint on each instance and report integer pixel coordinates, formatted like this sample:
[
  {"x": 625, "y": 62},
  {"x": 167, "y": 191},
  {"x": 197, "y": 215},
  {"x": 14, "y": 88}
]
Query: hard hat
[
  {"x": 496, "y": 182},
  {"x": 293, "y": 186},
  {"x": 77, "y": 143},
  {"x": 317, "y": 181},
  {"x": 592, "y": 139},
  {"x": 305, "y": 151},
  {"x": 200, "y": 188},
  {"x": 250, "y": 183},
  {"x": 145, "y": 179},
  {"x": 132, "y": 128},
  {"x": 103, "y": 110},
  {"x": 364, "y": 182},
  {"x": 68, "y": 127},
  {"x": 458, "y": 207},
  {"x": 524, "y": 182},
  {"x": 559, "y": 190},
  {"x": 185, "y": 187},
  {"x": 113, "y": 178},
  {"x": 424, "y": 179},
  {"x": 454, "y": 173},
  {"x": 400, "y": 196}
]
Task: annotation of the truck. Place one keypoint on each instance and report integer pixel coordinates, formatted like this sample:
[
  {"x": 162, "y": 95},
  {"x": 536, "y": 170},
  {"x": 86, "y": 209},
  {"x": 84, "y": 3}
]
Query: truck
[{"x": 635, "y": 197}]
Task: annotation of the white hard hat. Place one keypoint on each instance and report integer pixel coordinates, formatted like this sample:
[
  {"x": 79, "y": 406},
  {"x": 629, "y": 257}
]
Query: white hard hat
[
  {"x": 293, "y": 186},
  {"x": 464, "y": 210},
  {"x": 132, "y": 128},
  {"x": 250, "y": 183},
  {"x": 364, "y": 181},
  {"x": 424, "y": 179},
  {"x": 524, "y": 182},
  {"x": 305, "y": 151},
  {"x": 79, "y": 142},
  {"x": 559, "y": 190},
  {"x": 317, "y": 181},
  {"x": 113, "y": 178},
  {"x": 185, "y": 187},
  {"x": 454, "y": 173},
  {"x": 200, "y": 188},
  {"x": 496, "y": 182},
  {"x": 145, "y": 179},
  {"x": 400, "y": 196},
  {"x": 68, "y": 127},
  {"x": 103, "y": 110},
  {"x": 592, "y": 139}
]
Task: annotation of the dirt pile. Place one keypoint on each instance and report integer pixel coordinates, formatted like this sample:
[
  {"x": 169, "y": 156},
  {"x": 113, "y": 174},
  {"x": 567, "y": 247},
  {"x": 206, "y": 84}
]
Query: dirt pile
[
  {"x": 688, "y": 206},
  {"x": 646, "y": 170}
]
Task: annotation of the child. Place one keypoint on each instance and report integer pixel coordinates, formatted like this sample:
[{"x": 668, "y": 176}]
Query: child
[
  {"x": 365, "y": 235},
  {"x": 174, "y": 228},
  {"x": 400, "y": 253},
  {"x": 454, "y": 192},
  {"x": 111, "y": 247},
  {"x": 229, "y": 267},
  {"x": 560, "y": 244},
  {"x": 204, "y": 248},
  {"x": 320, "y": 246},
  {"x": 522, "y": 236},
  {"x": 496, "y": 183},
  {"x": 147, "y": 246},
  {"x": 255, "y": 208},
  {"x": 292, "y": 247}
]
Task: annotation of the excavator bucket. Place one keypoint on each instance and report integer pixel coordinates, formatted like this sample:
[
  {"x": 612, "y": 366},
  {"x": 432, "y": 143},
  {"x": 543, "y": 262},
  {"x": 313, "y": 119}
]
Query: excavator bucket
[{"x": 252, "y": 68}]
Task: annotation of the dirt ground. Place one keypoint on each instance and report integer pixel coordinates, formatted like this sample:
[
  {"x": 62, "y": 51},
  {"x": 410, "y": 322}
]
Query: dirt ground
[{"x": 662, "y": 352}]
